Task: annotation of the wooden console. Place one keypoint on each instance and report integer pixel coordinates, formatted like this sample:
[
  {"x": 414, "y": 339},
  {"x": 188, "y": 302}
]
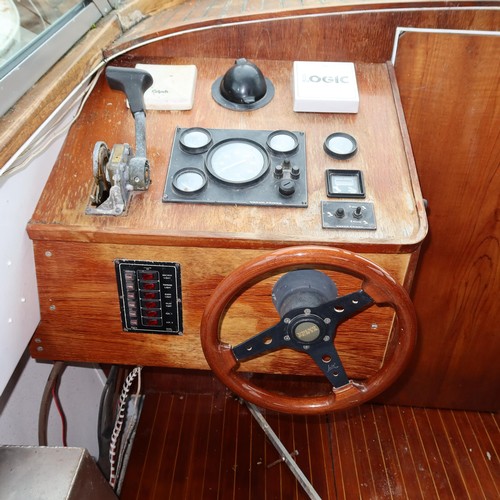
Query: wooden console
[{"x": 75, "y": 253}]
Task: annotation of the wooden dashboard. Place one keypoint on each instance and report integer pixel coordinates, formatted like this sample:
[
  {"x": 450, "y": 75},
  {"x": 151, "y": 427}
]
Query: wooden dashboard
[{"x": 75, "y": 253}]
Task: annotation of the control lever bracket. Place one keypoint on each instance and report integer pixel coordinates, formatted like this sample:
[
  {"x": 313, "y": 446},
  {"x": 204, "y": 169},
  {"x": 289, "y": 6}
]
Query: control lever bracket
[{"x": 119, "y": 172}]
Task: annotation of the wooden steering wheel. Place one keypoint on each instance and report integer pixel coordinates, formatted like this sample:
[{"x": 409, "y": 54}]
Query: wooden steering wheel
[{"x": 314, "y": 327}]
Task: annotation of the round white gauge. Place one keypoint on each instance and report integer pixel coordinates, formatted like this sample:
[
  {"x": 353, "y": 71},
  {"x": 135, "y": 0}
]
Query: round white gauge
[
  {"x": 283, "y": 142},
  {"x": 340, "y": 145},
  {"x": 195, "y": 140},
  {"x": 237, "y": 161},
  {"x": 189, "y": 180}
]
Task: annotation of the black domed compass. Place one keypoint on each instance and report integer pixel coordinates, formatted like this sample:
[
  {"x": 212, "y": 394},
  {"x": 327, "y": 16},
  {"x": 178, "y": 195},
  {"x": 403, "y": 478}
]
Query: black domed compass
[{"x": 243, "y": 87}]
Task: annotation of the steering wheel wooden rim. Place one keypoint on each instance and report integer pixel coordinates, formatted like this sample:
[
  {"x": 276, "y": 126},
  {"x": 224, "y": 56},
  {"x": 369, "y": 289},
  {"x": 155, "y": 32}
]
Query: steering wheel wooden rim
[{"x": 382, "y": 288}]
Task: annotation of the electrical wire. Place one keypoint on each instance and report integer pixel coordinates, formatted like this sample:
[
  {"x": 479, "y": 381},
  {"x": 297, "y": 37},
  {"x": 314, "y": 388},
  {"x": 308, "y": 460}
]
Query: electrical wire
[
  {"x": 55, "y": 397},
  {"x": 43, "y": 414},
  {"x": 106, "y": 417},
  {"x": 46, "y": 138},
  {"x": 120, "y": 418}
]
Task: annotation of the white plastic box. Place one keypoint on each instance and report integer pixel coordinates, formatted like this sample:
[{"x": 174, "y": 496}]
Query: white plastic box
[
  {"x": 325, "y": 87},
  {"x": 173, "y": 86}
]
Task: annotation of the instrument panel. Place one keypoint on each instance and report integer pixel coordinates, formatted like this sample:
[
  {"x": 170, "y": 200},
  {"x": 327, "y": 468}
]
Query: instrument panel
[{"x": 237, "y": 167}]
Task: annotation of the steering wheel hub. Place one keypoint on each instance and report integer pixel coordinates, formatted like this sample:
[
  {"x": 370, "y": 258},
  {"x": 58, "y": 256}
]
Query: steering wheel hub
[{"x": 306, "y": 329}]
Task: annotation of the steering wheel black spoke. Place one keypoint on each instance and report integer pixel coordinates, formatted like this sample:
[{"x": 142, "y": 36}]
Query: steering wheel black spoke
[
  {"x": 347, "y": 306},
  {"x": 329, "y": 362},
  {"x": 267, "y": 341}
]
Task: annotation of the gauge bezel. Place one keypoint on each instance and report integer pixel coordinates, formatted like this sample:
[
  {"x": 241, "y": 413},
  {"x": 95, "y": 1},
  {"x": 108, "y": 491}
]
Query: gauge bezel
[
  {"x": 195, "y": 149},
  {"x": 333, "y": 176},
  {"x": 234, "y": 141},
  {"x": 337, "y": 153},
  {"x": 187, "y": 170},
  {"x": 283, "y": 153}
]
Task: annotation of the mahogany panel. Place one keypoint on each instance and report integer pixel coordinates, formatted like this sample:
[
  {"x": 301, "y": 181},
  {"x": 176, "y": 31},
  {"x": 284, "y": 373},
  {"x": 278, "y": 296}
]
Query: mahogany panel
[
  {"x": 289, "y": 30},
  {"x": 451, "y": 97},
  {"x": 81, "y": 316},
  {"x": 368, "y": 452}
]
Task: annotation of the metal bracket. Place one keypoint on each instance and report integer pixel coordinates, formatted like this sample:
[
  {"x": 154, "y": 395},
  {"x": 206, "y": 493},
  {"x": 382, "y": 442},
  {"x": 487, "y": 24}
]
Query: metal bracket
[
  {"x": 285, "y": 455},
  {"x": 119, "y": 172}
]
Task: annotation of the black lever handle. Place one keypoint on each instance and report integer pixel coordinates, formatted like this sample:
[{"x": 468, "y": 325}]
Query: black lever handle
[{"x": 133, "y": 82}]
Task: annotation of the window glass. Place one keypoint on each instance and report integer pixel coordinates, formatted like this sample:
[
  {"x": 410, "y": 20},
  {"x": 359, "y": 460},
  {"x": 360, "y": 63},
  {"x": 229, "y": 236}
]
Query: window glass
[{"x": 26, "y": 23}]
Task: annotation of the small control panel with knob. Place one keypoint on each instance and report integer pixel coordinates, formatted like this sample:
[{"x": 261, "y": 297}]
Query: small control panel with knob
[
  {"x": 348, "y": 215},
  {"x": 237, "y": 167}
]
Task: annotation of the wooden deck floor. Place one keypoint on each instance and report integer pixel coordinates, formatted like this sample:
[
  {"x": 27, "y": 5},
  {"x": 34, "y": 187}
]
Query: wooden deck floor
[{"x": 207, "y": 446}]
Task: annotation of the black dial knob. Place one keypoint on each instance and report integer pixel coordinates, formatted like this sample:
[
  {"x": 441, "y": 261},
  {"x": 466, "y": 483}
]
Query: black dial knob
[{"x": 287, "y": 187}]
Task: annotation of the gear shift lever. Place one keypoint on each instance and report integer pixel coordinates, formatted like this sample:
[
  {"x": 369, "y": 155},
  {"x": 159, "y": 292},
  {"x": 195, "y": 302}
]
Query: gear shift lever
[{"x": 117, "y": 173}]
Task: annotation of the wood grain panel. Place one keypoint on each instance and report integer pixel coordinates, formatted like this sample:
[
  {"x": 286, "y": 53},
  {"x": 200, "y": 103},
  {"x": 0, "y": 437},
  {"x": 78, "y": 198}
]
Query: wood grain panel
[
  {"x": 370, "y": 452},
  {"x": 81, "y": 317},
  {"x": 457, "y": 151},
  {"x": 401, "y": 222},
  {"x": 289, "y": 30}
]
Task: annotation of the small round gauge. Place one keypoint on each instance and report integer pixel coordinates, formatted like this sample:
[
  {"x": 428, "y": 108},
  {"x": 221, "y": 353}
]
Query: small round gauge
[
  {"x": 195, "y": 140},
  {"x": 237, "y": 161},
  {"x": 283, "y": 142},
  {"x": 340, "y": 145},
  {"x": 189, "y": 180}
]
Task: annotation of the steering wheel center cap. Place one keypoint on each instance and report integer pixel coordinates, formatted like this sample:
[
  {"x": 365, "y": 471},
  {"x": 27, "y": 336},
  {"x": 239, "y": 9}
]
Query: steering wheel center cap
[{"x": 306, "y": 331}]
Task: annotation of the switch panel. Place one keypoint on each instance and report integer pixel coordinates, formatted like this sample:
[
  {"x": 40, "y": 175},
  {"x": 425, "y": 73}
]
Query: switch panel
[
  {"x": 348, "y": 215},
  {"x": 150, "y": 296}
]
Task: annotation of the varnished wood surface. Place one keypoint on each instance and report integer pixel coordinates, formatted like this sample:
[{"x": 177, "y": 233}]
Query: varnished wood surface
[
  {"x": 75, "y": 252},
  {"x": 457, "y": 151},
  {"x": 382, "y": 155},
  {"x": 207, "y": 446},
  {"x": 328, "y": 30},
  {"x": 81, "y": 315}
]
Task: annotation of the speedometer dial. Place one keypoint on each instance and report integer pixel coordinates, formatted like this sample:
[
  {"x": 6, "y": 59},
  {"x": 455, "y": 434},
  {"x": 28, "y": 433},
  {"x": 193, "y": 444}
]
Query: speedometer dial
[{"x": 237, "y": 161}]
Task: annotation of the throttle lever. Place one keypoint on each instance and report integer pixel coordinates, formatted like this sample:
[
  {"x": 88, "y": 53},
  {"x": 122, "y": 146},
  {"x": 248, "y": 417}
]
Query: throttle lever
[{"x": 119, "y": 172}]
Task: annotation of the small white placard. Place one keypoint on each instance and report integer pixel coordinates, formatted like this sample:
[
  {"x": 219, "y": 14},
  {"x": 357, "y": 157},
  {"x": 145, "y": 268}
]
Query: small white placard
[
  {"x": 173, "y": 86},
  {"x": 325, "y": 87}
]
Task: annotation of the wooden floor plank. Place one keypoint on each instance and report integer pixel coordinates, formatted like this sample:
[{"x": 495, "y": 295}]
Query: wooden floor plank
[
  {"x": 462, "y": 457},
  {"x": 434, "y": 460},
  {"x": 361, "y": 454},
  {"x": 346, "y": 472},
  {"x": 486, "y": 447},
  {"x": 419, "y": 454},
  {"x": 169, "y": 470},
  {"x": 395, "y": 478},
  {"x": 277, "y": 485},
  {"x": 215, "y": 449},
  {"x": 448, "y": 456},
  {"x": 199, "y": 454},
  {"x": 375, "y": 453},
  {"x": 477, "y": 462},
  {"x": 209, "y": 447},
  {"x": 404, "y": 451}
]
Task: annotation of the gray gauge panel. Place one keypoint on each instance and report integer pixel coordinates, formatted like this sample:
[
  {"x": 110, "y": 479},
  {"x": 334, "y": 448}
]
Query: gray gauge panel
[{"x": 240, "y": 167}]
